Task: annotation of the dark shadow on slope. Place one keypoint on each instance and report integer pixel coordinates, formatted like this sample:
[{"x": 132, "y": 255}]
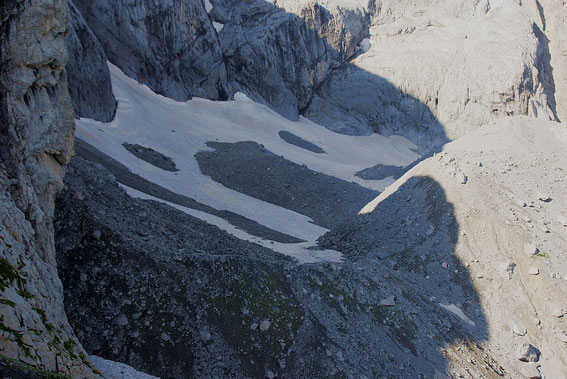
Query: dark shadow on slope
[
  {"x": 151, "y": 156},
  {"x": 411, "y": 237},
  {"x": 545, "y": 69},
  {"x": 381, "y": 171}
]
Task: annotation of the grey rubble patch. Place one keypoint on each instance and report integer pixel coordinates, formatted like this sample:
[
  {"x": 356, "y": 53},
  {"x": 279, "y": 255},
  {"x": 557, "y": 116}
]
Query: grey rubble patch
[
  {"x": 249, "y": 168},
  {"x": 382, "y": 171},
  {"x": 151, "y": 156},
  {"x": 300, "y": 142},
  {"x": 126, "y": 177}
]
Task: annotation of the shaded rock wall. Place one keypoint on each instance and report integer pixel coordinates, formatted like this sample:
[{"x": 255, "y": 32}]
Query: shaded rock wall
[
  {"x": 36, "y": 134},
  {"x": 554, "y": 25},
  {"x": 171, "y": 46},
  {"x": 88, "y": 75},
  {"x": 279, "y": 57}
]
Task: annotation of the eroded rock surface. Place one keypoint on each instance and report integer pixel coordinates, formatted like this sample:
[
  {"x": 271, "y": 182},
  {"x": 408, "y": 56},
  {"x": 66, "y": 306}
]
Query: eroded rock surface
[
  {"x": 440, "y": 69},
  {"x": 171, "y": 46},
  {"x": 87, "y": 70},
  {"x": 36, "y": 131}
]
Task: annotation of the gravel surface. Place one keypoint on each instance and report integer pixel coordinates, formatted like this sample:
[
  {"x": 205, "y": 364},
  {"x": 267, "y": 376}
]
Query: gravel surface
[
  {"x": 151, "y": 156},
  {"x": 249, "y": 168},
  {"x": 126, "y": 177}
]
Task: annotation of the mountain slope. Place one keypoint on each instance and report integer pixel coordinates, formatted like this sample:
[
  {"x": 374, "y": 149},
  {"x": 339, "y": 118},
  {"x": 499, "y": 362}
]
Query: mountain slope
[{"x": 506, "y": 185}]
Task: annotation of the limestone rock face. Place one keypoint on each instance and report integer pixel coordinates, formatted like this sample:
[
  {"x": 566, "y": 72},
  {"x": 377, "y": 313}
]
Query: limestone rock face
[
  {"x": 36, "y": 134},
  {"x": 455, "y": 67},
  {"x": 171, "y": 46},
  {"x": 88, "y": 75},
  {"x": 280, "y": 54},
  {"x": 431, "y": 71}
]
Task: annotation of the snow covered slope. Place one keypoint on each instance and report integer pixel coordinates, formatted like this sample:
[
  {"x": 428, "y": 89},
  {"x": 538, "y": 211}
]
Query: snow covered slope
[{"x": 181, "y": 129}]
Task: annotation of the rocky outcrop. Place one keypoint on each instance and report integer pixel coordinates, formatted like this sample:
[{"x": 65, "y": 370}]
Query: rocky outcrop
[
  {"x": 171, "y": 46},
  {"x": 36, "y": 133},
  {"x": 280, "y": 55},
  {"x": 87, "y": 71}
]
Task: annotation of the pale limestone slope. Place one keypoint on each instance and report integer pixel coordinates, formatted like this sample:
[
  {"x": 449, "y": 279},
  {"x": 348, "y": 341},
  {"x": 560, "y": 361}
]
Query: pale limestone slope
[
  {"x": 513, "y": 162},
  {"x": 456, "y": 66}
]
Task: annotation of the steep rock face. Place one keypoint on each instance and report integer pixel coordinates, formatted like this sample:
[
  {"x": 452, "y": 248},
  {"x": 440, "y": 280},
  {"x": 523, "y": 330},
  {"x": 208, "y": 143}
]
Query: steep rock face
[
  {"x": 87, "y": 71},
  {"x": 171, "y": 46},
  {"x": 36, "y": 133},
  {"x": 455, "y": 65},
  {"x": 279, "y": 55}
]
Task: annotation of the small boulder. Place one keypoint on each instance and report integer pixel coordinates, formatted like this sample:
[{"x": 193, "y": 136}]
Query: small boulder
[
  {"x": 388, "y": 302},
  {"x": 527, "y": 353},
  {"x": 509, "y": 268},
  {"x": 204, "y": 335},
  {"x": 530, "y": 249},
  {"x": 533, "y": 271},
  {"x": 557, "y": 311},
  {"x": 562, "y": 220},
  {"x": 78, "y": 196},
  {"x": 543, "y": 197},
  {"x": 530, "y": 371},
  {"x": 122, "y": 320},
  {"x": 264, "y": 325},
  {"x": 517, "y": 326}
]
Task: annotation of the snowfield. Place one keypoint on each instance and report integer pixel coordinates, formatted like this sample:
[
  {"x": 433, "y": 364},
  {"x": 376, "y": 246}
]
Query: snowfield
[{"x": 181, "y": 129}]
